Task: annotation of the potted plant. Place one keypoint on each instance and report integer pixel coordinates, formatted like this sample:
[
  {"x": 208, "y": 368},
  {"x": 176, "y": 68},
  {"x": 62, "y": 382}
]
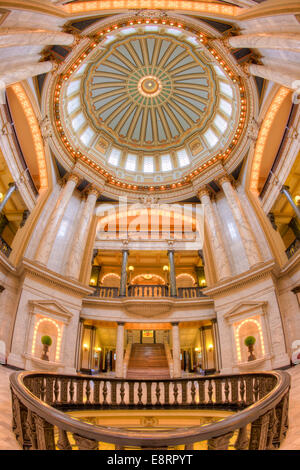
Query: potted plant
[
  {"x": 46, "y": 342},
  {"x": 250, "y": 342}
]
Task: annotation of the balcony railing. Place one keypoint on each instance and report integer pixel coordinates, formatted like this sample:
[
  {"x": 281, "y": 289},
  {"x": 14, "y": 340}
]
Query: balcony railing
[
  {"x": 259, "y": 399},
  {"x": 4, "y": 247},
  {"x": 148, "y": 291}
]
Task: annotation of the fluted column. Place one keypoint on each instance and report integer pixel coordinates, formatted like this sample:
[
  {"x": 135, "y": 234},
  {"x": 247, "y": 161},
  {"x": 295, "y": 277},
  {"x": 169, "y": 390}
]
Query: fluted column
[
  {"x": 47, "y": 240},
  {"x": 282, "y": 41},
  {"x": 123, "y": 281},
  {"x": 241, "y": 221},
  {"x": 16, "y": 37},
  {"x": 79, "y": 242},
  {"x": 18, "y": 73},
  {"x": 173, "y": 292},
  {"x": 222, "y": 265},
  {"x": 176, "y": 350},
  {"x": 287, "y": 79},
  {"x": 120, "y": 349}
]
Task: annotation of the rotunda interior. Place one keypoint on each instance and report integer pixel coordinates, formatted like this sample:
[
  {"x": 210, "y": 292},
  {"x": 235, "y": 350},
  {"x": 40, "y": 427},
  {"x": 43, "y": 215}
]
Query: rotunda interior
[{"x": 149, "y": 219}]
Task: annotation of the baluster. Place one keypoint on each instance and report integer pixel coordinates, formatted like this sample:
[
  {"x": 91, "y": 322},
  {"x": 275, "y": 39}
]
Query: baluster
[
  {"x": 114, "y": 393},
  {"x": 193, "y": 392},
  {"x": 219, "y": 443},
  {"x": 201, "y": 385},
  {"x": 31, "y": 431},
  {"x": 85, "y": 444},
  {"x": 88, "y": 392},
  {"x": 72, "y": 391},
  {"x": 44, "y": 433},
  {"x": 261, "y": 387},
  {"x": 226, "y": 389},
  {"x": 104, "y": 392},
  {"x": 63, "y": 440},
  {"x": 64, "y": 390},
  {"x": 242, "y": 440},
  {"x": 256, "y": 389},
  {"x": 157, "y": 393},
  {"x": 273, "y": 421},
  {"x": 282, "y": 420},
  {"x": 210, "y": 392},
  {"x": 175, "y": 393},
  {"x": 43, "y": 390},
  {"x": 97, "y": 391},
  {"x": 167, "y": 392},
  {"x": 218, "y": 387},
  {"x": 242, "y": 392},
  {"x": 49, "y": 389},
  {"x": 122, "y": 393},
  {"x": 149, "y": 396},
  {"x": 259, "y": 433},
  {"x": 234, "y": 390},
  {"x": 56, "y": 390},
  {"x": 140, "y": 393},
  {"x": 184, "y": 392},
  {"x": 79, "y": 391},
  {"x": 131, "y": 393},
  {"x": 249, "y": 390}
]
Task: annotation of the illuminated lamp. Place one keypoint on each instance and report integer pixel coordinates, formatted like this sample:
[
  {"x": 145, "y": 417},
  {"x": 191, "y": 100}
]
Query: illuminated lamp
[
  {"x": 1, "y": 197},
  {"x": 296, "y": 198},
  {"x": 210, "y": 347},
  {"x": 166, "y": 268},
  {"x": 85, "y": 347},
  {"x": 130, "y": 268}
]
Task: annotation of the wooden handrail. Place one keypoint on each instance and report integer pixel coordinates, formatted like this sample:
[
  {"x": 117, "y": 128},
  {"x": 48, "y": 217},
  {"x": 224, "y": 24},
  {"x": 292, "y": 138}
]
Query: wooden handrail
[{"x": 38, "y": 398}]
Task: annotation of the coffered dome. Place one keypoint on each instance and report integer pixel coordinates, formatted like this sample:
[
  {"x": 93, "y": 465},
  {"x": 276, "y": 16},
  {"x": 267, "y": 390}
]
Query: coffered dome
[{"x": 149, "y": 104}]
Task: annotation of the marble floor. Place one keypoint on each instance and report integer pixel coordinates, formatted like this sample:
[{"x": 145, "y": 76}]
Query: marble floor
[{"x": 8, "y": 442}]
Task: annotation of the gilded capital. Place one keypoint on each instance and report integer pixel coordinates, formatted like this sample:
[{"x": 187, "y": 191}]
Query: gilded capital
[
  {"x": 93, "y": 190},
  {"x": 203, "y": 192},
  {"x": 224, "y": 179},
  {"x": 73, "y": 177}
]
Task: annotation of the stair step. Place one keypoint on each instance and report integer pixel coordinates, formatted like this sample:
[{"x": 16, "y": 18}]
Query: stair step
[{"x": 148, "y": 361}]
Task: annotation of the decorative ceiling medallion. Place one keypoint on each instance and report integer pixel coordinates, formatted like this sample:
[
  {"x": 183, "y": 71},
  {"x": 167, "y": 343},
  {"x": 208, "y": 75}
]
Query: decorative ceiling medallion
[{"x": 149, "y": 95}]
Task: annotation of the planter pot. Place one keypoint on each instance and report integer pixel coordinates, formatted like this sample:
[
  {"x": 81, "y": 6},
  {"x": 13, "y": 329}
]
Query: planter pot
[
  {"x": 45, "y": 356},
  {"x": 251, "y": 356}
]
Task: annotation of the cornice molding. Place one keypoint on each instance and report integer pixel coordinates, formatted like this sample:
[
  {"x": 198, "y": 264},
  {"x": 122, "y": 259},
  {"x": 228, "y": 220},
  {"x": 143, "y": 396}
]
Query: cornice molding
[{"x": 41, "y": 272}]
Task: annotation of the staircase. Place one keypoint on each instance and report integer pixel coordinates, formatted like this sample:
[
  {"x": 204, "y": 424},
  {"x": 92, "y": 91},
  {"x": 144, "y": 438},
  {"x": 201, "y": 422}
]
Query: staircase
[{"x": 148, "y": 361}]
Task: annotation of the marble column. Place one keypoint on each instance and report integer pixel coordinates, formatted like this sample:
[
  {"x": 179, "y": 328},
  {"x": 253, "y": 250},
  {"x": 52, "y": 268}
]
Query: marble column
[
  {"x": 241, "y": 221},
  {"x": 285, "y": 190},
  {"x": 176, "y": 350},
  {"x": 173, "y": 292},
  {"x": 23, "y": 72},
  {"x": 287, "y": 79},
  {"x": 49, "y": 235},
  {"x": 123, "y": 281},
  {"x": 120, "y": 350},
  {"x": 26, "y": 37},
  {"x": 284, "y": 41},
  {"x": 11, "y": 189},
  {"x": 221, "y": 261},
  {"x": 80, "y": 238}
]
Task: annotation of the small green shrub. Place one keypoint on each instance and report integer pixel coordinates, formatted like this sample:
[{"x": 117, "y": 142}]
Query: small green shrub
[
  {"x": 250, "y": 341},
  {"x": 46, "y": 340}
]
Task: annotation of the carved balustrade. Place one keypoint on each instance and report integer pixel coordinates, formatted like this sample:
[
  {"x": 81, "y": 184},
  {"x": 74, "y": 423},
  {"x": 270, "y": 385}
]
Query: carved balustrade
[{"x": 40, "y": 402}]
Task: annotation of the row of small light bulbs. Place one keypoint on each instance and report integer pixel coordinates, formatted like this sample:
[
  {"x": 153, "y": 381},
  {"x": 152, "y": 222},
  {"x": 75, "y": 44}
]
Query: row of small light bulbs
[{"x": 110, "y": 179}]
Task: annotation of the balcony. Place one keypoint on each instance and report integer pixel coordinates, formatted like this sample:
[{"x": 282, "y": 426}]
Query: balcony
[
  {"x": 293, "y": 248},
  {"x": 4, "y": 247},
  {"x": 148, "y": 291}
]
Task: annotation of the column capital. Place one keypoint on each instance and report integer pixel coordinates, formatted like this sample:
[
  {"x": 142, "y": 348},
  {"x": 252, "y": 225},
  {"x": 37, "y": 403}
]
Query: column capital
[
  {"x": 174, "y": 323},
  {"x": 120, "y": 323},
  {"x": 73, "y": 177},
  {"x": 203, "y": 192},
  {"x": 284, "y": 187},
  {"x": 224, "y": 179},
  {"x": 92, "y": 190}
]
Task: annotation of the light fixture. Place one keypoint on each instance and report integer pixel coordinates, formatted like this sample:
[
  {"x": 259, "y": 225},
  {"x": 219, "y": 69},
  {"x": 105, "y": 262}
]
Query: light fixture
[
  {"x": 166, "y": 268},
  {"x": 130, "y": 268},
  {"x": 1, "y": 197},
  {"x": 297, "y": 199},
  {"x": 197, "y": 349},
  {"x": 203, "y": 282},
  {"x": 92, "y": 282},
  {"x": 98, "y": 349},
  {"x": 210, "y": 347},
  {"x": 85, "y": 347}
]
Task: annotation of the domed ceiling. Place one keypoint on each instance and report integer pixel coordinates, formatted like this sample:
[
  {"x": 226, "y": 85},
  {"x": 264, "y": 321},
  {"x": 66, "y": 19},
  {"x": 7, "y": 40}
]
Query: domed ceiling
[{"x": 148, "y": 104}]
